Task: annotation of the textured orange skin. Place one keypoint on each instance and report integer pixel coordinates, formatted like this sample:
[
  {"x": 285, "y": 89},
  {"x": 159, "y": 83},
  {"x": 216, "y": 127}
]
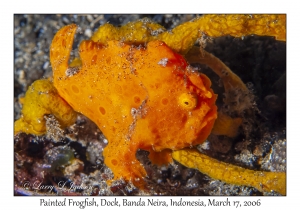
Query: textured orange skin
[{"x": 134, "y": 99}]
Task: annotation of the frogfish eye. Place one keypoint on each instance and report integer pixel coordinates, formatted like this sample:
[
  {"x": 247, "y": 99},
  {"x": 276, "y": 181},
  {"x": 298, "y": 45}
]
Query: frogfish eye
[{"x": 188, "y": 101}]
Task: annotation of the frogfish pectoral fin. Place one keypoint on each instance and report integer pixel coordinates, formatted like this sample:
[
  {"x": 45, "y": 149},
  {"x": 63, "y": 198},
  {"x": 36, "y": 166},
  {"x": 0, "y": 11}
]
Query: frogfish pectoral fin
[{"x": 120, "y": 157}]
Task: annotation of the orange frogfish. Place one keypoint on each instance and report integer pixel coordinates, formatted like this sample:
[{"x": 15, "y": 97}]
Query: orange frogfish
[{"x": 140, "y": 97}]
